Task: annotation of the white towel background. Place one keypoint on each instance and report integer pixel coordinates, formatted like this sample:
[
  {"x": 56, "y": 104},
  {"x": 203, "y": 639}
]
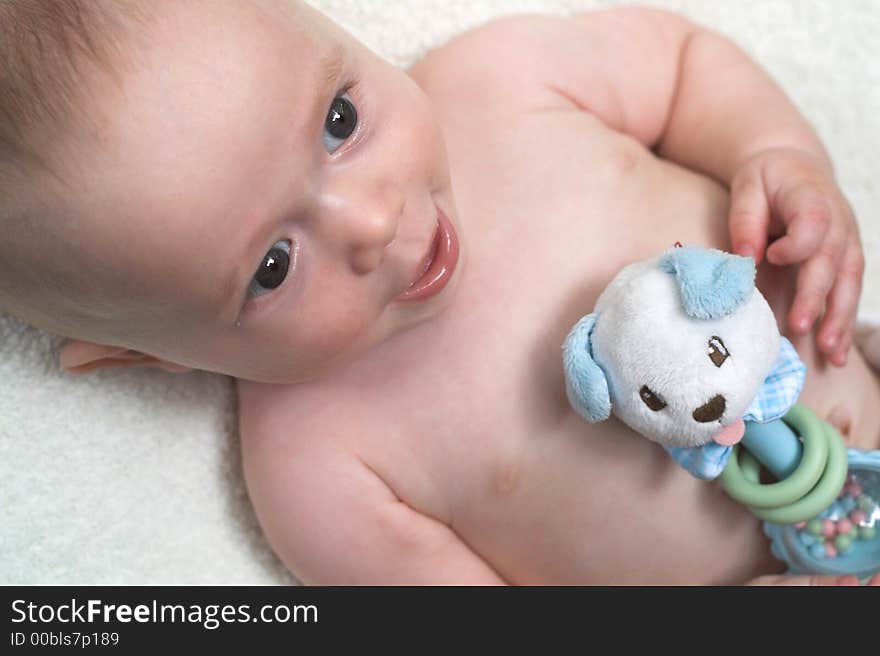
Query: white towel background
[{"x": 134, "y": 476}]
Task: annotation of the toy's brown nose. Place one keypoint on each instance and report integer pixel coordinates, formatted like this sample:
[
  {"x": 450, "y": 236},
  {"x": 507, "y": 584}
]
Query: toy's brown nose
[{"x": 711, "y": 410}]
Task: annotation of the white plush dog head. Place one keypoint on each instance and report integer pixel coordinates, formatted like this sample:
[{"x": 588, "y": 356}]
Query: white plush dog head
[{"x": 677, "y": 347}]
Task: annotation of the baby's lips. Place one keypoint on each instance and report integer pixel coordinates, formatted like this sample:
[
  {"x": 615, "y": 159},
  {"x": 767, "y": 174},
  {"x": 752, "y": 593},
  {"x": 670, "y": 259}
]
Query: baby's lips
[{"x": 730, "y": 435}]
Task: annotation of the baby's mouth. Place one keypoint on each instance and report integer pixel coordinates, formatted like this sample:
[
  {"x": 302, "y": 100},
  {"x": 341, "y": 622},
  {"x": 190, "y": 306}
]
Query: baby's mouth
[
  {"x": 429, "y": 257},
  {"x": 438, "y": 264}
]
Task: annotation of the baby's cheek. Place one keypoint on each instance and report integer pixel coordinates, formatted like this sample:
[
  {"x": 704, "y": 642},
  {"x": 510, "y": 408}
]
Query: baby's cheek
[{"x": 335, "y": 328}]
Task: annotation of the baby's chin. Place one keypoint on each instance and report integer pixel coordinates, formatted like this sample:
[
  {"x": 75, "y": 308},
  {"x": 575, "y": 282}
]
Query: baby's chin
[
  {"x": 323, "y": 365},
  {"x": 398, "y": 324},
  {"x": 298, "y": 372}
]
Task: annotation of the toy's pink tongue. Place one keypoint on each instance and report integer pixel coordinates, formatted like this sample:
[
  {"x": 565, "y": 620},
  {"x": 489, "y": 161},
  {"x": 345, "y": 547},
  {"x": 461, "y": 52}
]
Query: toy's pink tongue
[{"x": 732, "y": 434}]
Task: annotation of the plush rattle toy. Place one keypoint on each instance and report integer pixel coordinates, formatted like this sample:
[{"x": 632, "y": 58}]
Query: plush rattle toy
[{"x": 685, "y": 350}]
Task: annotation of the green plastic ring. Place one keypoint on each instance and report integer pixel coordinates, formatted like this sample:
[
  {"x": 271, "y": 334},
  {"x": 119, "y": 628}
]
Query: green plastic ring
[
  {"x": 822, "y": 495},
  {"x": 800, "y": 482}
]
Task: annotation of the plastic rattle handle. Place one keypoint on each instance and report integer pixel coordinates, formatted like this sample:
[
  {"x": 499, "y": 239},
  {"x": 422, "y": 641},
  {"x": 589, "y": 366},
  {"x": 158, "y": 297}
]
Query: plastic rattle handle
[{"x": 803, "y": 493}]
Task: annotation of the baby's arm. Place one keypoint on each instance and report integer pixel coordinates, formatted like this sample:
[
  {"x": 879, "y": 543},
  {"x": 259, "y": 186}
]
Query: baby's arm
[
  {"x": 333, "y": 521},
  {"x": 723, "y": 115},
  {"x": 696, "y": 99}
]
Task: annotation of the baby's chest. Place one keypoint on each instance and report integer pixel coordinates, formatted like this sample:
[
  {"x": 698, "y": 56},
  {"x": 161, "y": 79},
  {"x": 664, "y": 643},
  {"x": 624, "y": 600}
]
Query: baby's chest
[
  {"x": 555, "y": 198},
  {"x": 551, "y": 206},
  {"x": 480, "y": 435}
]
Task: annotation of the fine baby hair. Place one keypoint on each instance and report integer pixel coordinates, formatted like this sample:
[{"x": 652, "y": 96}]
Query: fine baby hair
[{"x": 685, "y": 350}]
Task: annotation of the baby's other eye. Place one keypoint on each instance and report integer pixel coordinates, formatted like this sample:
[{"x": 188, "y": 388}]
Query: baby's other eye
[
  {"x": 272, "y": 270},
  {"x": 340, "y": 122}
]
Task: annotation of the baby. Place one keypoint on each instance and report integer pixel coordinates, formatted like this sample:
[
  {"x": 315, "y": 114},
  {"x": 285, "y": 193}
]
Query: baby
[{"x": 388, "y": 263}]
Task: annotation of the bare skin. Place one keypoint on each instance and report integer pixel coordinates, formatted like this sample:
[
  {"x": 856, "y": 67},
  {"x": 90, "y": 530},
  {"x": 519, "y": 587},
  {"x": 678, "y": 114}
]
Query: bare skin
[
  {"x": 463, "y": 420},
  {"x": 493, "y": 451},
  {"x": 431, "y": 441}
]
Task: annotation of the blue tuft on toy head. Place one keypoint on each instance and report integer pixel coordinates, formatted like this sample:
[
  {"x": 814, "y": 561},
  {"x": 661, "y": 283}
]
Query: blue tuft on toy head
[{"x": 711, "y": 283}]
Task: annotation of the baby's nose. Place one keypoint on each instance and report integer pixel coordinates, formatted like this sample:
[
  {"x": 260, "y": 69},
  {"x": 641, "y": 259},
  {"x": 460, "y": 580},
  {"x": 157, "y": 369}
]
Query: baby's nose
[
  {"x": 365, "y": 221},
  {"x": 372, "y": 229},
  {"x": 711, "y": 410}
]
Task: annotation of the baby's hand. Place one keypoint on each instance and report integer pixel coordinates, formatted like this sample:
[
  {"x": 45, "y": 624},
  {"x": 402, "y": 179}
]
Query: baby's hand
[
  {"x": 815, "y": 580},
  {"x": 792, "y": 195}
]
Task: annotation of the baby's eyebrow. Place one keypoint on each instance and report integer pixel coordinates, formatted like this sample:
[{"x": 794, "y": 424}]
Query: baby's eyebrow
[{"x": 331, "y": 63}]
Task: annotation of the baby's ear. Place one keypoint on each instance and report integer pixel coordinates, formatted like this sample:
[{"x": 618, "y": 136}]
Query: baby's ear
[{"x": 78, "y": 357}]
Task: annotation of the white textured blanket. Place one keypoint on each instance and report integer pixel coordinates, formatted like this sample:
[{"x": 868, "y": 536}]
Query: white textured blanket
[{"x": 134, "y": 476}]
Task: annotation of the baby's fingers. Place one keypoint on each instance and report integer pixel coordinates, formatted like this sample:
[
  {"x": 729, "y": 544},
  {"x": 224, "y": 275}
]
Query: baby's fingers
[
  {"x": 815, "y": 279},
  {"x": 835, "y": 334},
  {"x": 749, "y": 215},
  {"x": 807, "y": 215},
  {"x": 806, "y": 580}
]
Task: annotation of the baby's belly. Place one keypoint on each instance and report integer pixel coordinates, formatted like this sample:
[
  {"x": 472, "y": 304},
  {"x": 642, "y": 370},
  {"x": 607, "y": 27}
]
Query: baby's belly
[{"x": 539, "y": 493}]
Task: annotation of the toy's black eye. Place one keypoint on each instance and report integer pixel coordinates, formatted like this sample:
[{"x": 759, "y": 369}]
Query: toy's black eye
[
  {"x": 718, "y": 353},
  {"x": 651, "y": 400}
]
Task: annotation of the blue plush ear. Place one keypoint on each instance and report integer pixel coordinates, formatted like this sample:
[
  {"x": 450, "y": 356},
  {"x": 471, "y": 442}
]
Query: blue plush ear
[
  {"x": 712, "y": 283},
  {"x": 585, "y": 382}
]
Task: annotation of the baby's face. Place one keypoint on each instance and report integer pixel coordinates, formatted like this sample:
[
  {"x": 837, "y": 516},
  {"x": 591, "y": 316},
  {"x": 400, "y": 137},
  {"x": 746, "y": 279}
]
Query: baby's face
[{"x": 266, "y": 190}]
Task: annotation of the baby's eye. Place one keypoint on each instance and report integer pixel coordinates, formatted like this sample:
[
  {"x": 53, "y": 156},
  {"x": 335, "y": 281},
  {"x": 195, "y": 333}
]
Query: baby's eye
[
  {"x": 651, "y": 400},
  {"x": 340, "y": 122},
  {"x": 272, "y": 270}
]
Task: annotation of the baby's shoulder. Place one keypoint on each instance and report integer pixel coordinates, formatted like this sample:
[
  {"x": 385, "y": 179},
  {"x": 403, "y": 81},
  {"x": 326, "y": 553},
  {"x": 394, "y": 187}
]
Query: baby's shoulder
[
  {"x": 298, "y": 412},
  {"x": 313, "y": 419},
  {"x": 512, "y": 53},
  {"x": 571, "y": 60}
]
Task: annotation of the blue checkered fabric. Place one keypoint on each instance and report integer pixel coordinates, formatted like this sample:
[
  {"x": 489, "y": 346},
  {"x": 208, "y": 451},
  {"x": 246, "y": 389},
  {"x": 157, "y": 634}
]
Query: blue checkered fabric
[
  {"x": 781, "y": 387},
  {"x": 780, "y": 391},
  {"x": 705, "y": 462}
]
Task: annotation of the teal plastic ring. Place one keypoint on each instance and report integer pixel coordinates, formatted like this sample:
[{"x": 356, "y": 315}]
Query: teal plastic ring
[
  {"x": 821, "y": 496},
  {"x": 810, "y": 469},
  {"x": 822, "y": 444}
]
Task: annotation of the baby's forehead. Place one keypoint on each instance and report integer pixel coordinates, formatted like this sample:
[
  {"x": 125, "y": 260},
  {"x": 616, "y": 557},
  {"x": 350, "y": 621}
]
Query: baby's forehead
[
  {"x": 204, "y": 138},
  {"x": 204, "y": 54},
  {"x": 205, "y": 30},
  {"x": 206, "y": 89}
]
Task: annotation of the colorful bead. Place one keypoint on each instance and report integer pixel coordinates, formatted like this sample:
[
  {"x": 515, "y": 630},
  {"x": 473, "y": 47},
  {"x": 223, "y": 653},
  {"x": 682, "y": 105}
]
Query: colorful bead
[
  {"x": 866, "y": 503},
  {"x": 830, "y": 551},
  {"x": 829, "y": 528},
  {"x": 857, "y": 516},
  {"x": 842, "y": 542},
  {"x": 814, "y": 527},
  {"x": 844, "y": 527}
]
